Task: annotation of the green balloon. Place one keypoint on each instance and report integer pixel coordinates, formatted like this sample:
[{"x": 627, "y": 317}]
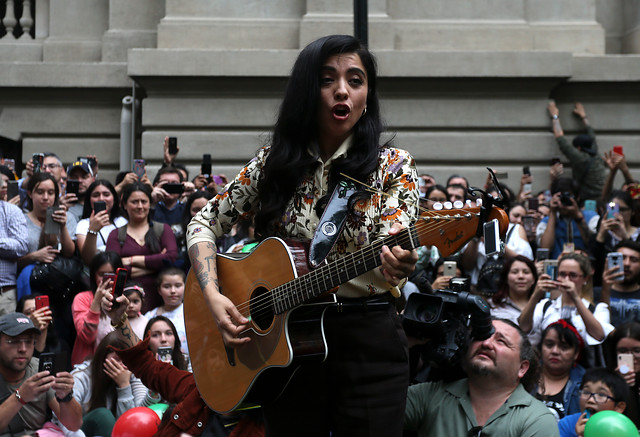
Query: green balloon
[
  {"x": 610, "y": 424},
  {"x": 159, "y": 408}
]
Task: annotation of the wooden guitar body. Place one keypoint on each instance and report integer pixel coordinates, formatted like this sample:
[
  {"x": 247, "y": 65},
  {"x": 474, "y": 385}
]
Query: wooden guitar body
[{"x": 277, "y": 340}]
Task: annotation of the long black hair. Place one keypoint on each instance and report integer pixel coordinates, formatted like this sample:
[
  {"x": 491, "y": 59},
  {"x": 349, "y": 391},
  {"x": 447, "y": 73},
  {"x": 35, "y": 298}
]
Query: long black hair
[
  {"x": 88, "y": 208},
  {"x": 150, "y": 238},
  {"x": 296, "y": 128}
]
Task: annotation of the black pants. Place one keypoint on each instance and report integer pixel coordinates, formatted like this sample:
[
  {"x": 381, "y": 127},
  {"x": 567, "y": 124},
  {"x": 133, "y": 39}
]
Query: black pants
[{"x": 361, "y": 388}]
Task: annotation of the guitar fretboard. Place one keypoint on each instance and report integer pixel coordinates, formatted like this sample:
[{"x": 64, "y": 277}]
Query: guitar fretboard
[{"x": 350, "y": 266}]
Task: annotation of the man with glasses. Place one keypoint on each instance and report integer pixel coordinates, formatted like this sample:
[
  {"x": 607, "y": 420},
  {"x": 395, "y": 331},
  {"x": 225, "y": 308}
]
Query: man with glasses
[
  {"x": 623, "y": 290},
  {"x": 492, "y": 401},
  {"x": 26, "y": 393}
]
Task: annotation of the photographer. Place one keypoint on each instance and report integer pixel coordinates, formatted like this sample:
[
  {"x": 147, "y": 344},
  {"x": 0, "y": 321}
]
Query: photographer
[
  {"x": 493, "y": 400},
  {"x": 566, "y": 222}
]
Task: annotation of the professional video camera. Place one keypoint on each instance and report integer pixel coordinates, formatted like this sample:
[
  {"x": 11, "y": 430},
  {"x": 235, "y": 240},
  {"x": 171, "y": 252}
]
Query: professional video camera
[{"x": 450, "y": 319}]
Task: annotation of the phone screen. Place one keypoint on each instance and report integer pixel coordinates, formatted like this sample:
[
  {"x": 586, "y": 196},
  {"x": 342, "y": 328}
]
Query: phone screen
[
  {"x": 47, "y": 362},
  {"x": 491, "y": 237}
]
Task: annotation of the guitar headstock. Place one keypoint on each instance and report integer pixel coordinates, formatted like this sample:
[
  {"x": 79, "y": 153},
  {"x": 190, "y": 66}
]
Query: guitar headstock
[{"x": 450, "y": 229}]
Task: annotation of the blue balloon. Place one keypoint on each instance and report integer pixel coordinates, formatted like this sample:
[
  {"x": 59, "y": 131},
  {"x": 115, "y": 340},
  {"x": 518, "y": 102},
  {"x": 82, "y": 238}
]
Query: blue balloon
[{"x": 610, "y": 424}]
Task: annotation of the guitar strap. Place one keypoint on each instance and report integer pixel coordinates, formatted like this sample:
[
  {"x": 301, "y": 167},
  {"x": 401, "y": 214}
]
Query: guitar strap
[{"x": 331, "y": 223}]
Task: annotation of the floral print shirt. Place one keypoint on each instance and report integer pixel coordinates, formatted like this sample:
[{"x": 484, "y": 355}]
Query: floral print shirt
[{"x": 396, "y": 201}]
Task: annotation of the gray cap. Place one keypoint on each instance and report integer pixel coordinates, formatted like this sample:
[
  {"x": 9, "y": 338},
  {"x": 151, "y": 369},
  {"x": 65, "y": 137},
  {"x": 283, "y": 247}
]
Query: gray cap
[{"x": 14, "y": 324}]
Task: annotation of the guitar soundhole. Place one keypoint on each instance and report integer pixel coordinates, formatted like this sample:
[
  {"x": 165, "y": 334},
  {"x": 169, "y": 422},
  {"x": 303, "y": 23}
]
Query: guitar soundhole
[{"x": 261, "y": 308}]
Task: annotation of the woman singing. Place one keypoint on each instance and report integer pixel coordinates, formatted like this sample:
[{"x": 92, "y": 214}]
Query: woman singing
[{"x": 328, "y": 125}]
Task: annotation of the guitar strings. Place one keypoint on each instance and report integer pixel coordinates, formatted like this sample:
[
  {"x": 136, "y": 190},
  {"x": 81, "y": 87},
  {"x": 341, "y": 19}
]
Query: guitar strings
[
  {"x": 292, "y": 288},
  {"x": 266, "y": 300}
]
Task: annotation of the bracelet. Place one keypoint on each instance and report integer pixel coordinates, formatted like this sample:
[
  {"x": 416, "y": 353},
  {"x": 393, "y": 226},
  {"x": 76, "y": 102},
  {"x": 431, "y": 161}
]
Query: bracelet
[
  {"x": 121, "y": 322},
  {"x": 22, "y": 401},
  {"x": 65, "y": 399},
  {"x": 92, "y": 232},
  {"x": 554, "y": 117}
]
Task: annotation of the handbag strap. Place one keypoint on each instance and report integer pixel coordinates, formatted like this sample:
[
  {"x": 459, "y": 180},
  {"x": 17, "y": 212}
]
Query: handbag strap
[{"x": 331, "y": 223}]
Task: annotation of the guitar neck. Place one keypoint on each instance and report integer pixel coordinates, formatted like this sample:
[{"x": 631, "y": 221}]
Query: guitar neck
[{"x": 431, "y": 227}]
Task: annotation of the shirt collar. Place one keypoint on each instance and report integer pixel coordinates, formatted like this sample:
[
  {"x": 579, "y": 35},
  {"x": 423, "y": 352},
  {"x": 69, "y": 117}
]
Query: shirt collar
[{"x": 341, "y": 152}]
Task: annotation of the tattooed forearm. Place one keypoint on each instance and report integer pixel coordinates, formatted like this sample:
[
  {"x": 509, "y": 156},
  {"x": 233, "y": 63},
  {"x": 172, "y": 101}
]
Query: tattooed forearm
[
  {"x": 206, "y": 274},
  {"x": 127, "y": 334}
]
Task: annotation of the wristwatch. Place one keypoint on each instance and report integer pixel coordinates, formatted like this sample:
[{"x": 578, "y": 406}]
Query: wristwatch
[
  {"x": 554, "y": 117},
  {"x": 67, "y": 398}
]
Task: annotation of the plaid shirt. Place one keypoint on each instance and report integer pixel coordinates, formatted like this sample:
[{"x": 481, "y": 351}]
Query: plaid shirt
[{"x": 13, "y": 241}]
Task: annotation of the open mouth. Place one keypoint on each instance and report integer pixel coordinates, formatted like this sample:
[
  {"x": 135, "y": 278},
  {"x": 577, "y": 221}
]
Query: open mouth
[{"x": 341, "y": 111}]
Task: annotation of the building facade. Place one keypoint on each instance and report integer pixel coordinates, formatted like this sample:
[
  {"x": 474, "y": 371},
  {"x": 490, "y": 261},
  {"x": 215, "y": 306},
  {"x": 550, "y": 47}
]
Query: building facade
[{"x": 464, "y": 84}]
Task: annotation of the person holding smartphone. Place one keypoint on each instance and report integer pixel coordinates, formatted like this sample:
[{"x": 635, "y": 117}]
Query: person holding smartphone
[
  {"x": 622, "y": 292},
  {"x": 626, "y": 340},
  {"x": 82, "y": 174},
  {"x": 101, "y": 214},
  {"x": 91, "y": 324}
]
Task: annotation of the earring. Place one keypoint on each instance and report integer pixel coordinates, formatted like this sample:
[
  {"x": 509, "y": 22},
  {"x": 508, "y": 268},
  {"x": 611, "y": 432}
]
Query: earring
[{"x": 364, "y": 111}]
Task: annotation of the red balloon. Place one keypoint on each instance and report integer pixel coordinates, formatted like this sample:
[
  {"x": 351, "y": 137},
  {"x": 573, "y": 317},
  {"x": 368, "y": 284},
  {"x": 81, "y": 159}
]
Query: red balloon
[{"x": 136, "y": 422}]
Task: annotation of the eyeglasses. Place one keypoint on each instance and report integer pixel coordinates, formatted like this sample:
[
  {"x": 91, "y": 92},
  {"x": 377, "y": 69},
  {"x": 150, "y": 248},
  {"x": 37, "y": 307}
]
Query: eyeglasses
[
  {"x": 20, "y": 341},
  {"x": 51, "y": 166},
  {"x": 570, "y": 275},
  {"x": 600, "y": 398},
  {"x": 626, "y": 350}
]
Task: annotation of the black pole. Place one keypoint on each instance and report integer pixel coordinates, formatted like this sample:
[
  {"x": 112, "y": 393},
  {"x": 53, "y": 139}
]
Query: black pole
[{"x": 360, "y": 21}]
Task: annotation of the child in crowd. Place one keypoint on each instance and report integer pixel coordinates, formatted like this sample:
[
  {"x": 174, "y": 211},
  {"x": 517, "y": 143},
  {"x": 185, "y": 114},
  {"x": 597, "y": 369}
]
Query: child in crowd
[
  {"x": 602, "y": 389},
  {"x": 171, "y": 289},
  {"x": 135, "y": 294}
]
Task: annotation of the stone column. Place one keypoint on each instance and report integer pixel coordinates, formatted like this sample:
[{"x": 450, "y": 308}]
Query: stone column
[
  {"x": 224, "y": 24},
  {"x": 131, "y": 24},
  {"x": 75, "y": 30}
]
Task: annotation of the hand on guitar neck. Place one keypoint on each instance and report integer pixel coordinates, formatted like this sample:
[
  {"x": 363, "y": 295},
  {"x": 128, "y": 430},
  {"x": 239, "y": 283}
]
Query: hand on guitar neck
[{"x": 397, "y": 263}]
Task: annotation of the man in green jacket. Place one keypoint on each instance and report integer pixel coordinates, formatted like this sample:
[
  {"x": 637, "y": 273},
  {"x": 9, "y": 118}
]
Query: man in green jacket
[{"x": 492, "y": 400}]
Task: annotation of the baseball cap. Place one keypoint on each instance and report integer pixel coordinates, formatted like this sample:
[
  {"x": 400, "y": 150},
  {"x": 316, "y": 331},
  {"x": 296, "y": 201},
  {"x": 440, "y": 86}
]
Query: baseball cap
[
  {"x": 79, "y": 164},
  {"x": 14, "y": 324}
]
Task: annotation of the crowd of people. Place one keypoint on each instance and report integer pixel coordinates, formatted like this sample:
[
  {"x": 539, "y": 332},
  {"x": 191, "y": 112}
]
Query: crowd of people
[{"x": 565, "y": 292}]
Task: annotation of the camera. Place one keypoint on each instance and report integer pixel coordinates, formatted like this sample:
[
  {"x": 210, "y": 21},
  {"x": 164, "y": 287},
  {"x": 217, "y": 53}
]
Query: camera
[
  {"x": 450, "y": 319},
  {"x": 565, "y": 198}
]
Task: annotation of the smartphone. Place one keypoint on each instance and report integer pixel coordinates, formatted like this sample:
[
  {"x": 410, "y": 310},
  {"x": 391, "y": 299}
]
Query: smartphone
[
  {"x": 542, "y": 254},
  {"x": 555, "y": 160},
  {"x": 12, "y": 189},
  {"x": 205, "y": 168},
  {"x": 47, "y": 362},
  {"x": 118, "y": 285},
  {"x": 38, "y": 162},
  {"x": 99, "y": 205},
  {"x": 526, "y": 170},
  {"x": 42, "y": 301},
  {"x": 82, "y": 159},
  {"x": 625, "y": 360},
  {"x": 612, "y": 209},
  {"x": 526, "y": 188},
  {"x": 529, "y": 224},
  {"x": 51, "y": 226},
  {"x": 173, "y": 145},
  {"x": 532, "y": 203},
  {"x": 618, "y": 150},
  {"x": 219, "y": 180},
  {"x": 568, "y": 247},
  {"x": 614, "y": 260},
  {"x": 550, "y": 267},
  {"x": 10, "y": 164},
  {"x": 492, "y": 238},
  {"x": 172, "y": 188},
  {"x": 164, "y": 354},
  {"x": 138, "y": 167},
  {"x": 450, "y": 269},
  {"x": 590, "y": 205},
  {"x": 73, "y": 186}
]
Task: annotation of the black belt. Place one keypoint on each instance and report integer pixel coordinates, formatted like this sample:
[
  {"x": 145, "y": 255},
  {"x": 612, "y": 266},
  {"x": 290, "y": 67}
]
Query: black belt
[
  {"x": 364, "y": 304},
  {"x": 7, "y": 288}
]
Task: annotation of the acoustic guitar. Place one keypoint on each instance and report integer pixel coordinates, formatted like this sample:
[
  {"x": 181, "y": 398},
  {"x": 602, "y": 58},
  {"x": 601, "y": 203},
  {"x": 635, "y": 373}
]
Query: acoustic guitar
[{"x": 285, "y": 303}]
